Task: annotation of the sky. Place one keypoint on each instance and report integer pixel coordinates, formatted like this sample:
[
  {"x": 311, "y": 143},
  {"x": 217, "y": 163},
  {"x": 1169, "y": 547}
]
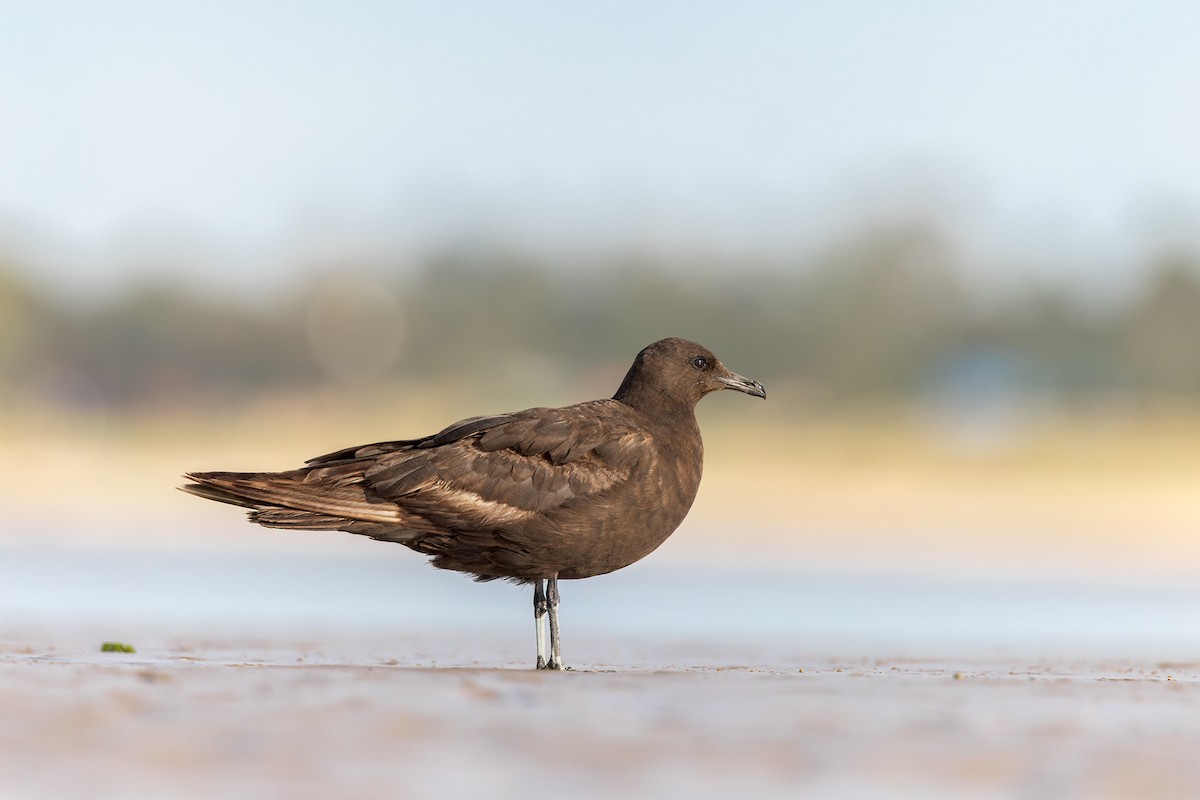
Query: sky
[{"x": 224, "y": 134}]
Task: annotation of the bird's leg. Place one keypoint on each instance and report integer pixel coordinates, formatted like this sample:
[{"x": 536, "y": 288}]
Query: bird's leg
[
  {"x": 539, "y": 611},
  {"x": 552, "y": 603}
]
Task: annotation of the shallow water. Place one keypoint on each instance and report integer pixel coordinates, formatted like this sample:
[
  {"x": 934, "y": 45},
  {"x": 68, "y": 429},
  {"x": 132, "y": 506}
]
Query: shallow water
[{"x": 389, "y": 590}]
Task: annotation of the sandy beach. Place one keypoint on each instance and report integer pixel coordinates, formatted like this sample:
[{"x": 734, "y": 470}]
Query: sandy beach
[
  {"x": 394, "y": 717},
  {"x": 366, "y": 674}
]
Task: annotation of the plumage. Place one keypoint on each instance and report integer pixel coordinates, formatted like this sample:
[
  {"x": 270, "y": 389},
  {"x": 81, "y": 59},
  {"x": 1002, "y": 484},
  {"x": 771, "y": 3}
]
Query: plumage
[{"x": 528, "y": 496}]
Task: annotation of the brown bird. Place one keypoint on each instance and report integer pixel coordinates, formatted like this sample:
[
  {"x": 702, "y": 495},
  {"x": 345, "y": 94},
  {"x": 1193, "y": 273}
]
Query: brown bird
[{"x": 531, "y": 497}]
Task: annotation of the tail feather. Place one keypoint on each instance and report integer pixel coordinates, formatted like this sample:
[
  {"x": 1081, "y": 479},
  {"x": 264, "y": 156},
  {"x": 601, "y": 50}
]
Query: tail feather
[
  {"x": 297, "y": 520},
  {"x": 210, "y": 492},
  {"x": 271, "y": 492}
]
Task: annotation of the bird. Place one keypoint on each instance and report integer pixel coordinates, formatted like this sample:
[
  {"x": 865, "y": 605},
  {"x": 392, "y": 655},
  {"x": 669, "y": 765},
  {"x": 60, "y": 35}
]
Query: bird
[{"x": 532, "y": 497}]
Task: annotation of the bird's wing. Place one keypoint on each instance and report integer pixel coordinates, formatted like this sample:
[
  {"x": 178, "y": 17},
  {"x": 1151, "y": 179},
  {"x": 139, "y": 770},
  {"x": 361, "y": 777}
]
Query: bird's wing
[
  {"x": 494, "y": 471},
  {"x": 451, "y": 433}
]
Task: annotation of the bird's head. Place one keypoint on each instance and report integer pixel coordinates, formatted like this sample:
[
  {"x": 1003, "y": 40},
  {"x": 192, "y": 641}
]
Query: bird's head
[{"x": 676, "y": 371}]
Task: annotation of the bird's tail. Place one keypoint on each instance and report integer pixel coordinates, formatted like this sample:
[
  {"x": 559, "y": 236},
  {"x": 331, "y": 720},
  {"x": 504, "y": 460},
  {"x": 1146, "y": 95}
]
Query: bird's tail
[
  {"x": 287, "y": 500},
  {"x": 217, "y": 486}
]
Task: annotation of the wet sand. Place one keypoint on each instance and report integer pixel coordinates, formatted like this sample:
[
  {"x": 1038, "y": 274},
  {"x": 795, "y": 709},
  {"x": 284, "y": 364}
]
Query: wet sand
[{"x": 374, "y": 717}]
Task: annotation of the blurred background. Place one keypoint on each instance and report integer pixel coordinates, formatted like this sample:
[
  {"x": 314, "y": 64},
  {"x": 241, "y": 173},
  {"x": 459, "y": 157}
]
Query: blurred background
[{"x": 958, "y": 243}]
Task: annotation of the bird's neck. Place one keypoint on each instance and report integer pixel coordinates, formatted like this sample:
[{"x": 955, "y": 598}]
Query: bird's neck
[{"x": 653, "y": 403}]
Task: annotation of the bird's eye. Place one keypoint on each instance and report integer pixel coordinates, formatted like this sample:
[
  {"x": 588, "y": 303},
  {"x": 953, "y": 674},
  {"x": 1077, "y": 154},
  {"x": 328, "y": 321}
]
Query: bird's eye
[{"x": 699, "y": 362}]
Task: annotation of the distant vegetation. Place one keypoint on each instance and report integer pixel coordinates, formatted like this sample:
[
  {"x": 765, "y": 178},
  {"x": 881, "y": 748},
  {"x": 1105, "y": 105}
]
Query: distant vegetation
[{"x": 882, "y": 318}]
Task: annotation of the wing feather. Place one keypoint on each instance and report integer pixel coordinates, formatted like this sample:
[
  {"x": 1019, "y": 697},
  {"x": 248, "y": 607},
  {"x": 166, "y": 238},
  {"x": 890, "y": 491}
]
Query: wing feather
[{"x": 516, "y": 466}]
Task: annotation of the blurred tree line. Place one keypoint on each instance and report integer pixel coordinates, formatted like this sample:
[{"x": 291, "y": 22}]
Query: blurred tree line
[{"x": 883, "y": 317}]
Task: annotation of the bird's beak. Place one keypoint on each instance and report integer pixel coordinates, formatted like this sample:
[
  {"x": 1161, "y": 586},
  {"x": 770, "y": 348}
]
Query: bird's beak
[{"x": 740, "y": 383}]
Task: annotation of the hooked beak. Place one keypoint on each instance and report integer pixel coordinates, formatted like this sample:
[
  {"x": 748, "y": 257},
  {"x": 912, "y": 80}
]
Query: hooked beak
[{"x": 740, "y": 383}]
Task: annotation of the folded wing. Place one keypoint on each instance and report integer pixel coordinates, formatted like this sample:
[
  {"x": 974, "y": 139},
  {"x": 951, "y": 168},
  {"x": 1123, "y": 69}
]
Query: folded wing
[{"x": 479, "y": 474}]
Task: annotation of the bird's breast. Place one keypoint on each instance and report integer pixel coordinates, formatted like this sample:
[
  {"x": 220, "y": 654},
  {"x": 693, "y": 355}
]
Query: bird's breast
[{"x": 639, "y": 514}]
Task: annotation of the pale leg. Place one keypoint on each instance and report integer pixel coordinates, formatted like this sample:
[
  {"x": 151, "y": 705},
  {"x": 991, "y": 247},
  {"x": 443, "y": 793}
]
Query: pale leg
[
  {"x": 552, "y": 608},
  {"x": 539, "y": 611}
]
